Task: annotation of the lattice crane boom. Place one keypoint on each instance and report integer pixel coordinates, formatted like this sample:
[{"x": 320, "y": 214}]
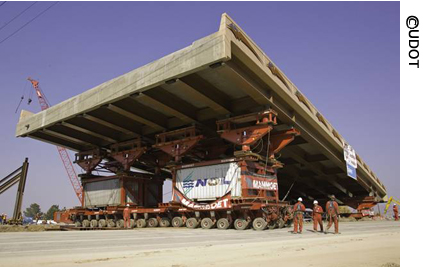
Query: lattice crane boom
[{"x": 64, "y": 155}]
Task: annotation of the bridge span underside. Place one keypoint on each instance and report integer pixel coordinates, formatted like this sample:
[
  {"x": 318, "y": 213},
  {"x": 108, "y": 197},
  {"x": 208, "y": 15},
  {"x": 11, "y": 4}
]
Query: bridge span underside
[{"x": 222, "y": 75}]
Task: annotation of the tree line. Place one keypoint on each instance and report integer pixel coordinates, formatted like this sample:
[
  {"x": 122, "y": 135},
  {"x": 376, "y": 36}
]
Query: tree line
[{"x": 34, "y": 209}]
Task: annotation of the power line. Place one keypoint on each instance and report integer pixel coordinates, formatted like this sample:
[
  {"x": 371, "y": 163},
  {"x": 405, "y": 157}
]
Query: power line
[
  {"x": 3, "y": 3},
  {"x": 45, "y": 10},
  {"x": 17, "y": 15}
]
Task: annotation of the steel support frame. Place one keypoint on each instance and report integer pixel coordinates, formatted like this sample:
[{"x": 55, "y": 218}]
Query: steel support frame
[
  {"x": 178, "y": 143},
  {"x": 126, "y": 153}
]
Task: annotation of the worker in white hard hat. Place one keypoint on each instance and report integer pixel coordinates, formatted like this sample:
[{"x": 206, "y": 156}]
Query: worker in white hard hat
[
  {"x": 299, "y": 209},
  {"x": 317, "y": 216},
  {"x": 127, "y": 217}
]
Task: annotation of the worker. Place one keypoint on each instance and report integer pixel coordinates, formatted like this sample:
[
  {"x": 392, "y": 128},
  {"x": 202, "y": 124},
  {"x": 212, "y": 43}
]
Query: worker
[
  {"x": 1, "y": 218},
  {"x": 395, "y": 209},
  {"x": 127, "y": 217},
  {"x": 4, "y": 218},
  {"x": 37, "y": 218},
  {"x": 332, "y": 212},
  {"x": 299, "y": 209},
  {"x": 289, "y": 215},
  {"x": 317, "y": 216}
]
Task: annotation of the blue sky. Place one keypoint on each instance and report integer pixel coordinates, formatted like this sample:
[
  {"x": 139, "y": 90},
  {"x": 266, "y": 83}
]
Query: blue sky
[{"x": 344, "y": 56}]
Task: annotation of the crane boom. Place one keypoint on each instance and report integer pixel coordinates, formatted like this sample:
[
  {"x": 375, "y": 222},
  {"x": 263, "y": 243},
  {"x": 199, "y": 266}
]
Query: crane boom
[
  {"x": 64, "y": 155},
  {"x": 391, "y": 199}
]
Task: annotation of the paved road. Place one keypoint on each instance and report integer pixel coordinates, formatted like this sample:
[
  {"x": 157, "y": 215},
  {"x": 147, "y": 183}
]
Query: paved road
[{"x": 26, "y": 247}]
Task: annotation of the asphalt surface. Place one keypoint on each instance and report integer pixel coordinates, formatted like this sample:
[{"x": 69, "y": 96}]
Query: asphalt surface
[{"x": 24, "y": 247}]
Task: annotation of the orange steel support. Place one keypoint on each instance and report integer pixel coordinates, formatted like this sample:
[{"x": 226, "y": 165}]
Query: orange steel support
[
  {"x": 246, "y": 136},
  {"x": 88, "y": 160},
  {"x": 280, "y": 140},
  {"x": 127, "y": 153},
  {"x": 177, "y": 143}
]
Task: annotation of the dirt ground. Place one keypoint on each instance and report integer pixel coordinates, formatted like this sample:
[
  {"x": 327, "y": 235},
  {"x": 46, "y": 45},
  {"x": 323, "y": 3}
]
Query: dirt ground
[
  {"x": 368, "y": 243},
  {"x": 27, "y": 228}
]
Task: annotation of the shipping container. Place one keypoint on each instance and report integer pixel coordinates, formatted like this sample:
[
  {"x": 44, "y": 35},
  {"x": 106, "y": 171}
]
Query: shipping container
[
  {"x": 102, "y": 193},
  {"x": 210, "y": 182}
]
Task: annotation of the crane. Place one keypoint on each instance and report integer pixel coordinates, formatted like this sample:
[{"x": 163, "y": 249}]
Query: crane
[
  {"x": 391, "y": 199},
  {"x": 64, "y": 155}
]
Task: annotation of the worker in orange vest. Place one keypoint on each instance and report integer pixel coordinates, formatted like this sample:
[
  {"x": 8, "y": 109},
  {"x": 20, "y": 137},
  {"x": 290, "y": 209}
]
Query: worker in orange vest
[
  {"x": 395, "y": 209},
  {"x": 332, "y": 212},
  {"x": 127, "y": 217},
  {"x": 317, "y": 216},
  {"x": 299, "y": 209}
]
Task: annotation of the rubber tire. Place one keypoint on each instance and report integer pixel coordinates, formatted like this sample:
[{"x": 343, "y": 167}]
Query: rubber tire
[
  {"x": 94, "y": 223},
  {"x": 223, "y": 224},
  {"x": 164, "y": 222},
  {"x": 111, "y": 223},
  {"x": 280, "y": 223},
  {"x": 272, "y": 225},
  {"x": 85, "y": 223},
  {"x": 259, "y": 224},
  {"x": 102, "y": 223},
  {"x": 177, "y": 222},
  {"x": 141, "y": 223},
  {"x": 78, "y": 224},
  {"x": 192, "y": 223},
  {"x": 120, "y": 223},
  {"x": 152, "y": 222},
  {"x": 240, "y": 224},
  {"x": 206, "y": 223}
]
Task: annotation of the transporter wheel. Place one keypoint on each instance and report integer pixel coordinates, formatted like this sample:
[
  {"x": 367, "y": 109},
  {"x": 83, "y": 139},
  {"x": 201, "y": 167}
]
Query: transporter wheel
[
  {"x": 177, "y": 222},
  {"x": 206, "y": 223},
  {"x": 280, "y": 223},
  {"x": 120, "y": 223},
  {"x": 272, "y": 225},
  {"x": 152, "y": 222},
  {"x": 111, "y": 223},
  {"x": 240, "y": 224},
  {"x": 78, "y": 224},
  {"x": 102, "y": 223},
  {"x": 164, "y": 222},
  {"x": 223, "y": 224},
  {"x": 85, "y": 223},
  {"x": 259, "y": 224},
  {"x": 141, "y": 223},
  {"x": 192, "y": 223},
  {"x": 93, "y": 223}
]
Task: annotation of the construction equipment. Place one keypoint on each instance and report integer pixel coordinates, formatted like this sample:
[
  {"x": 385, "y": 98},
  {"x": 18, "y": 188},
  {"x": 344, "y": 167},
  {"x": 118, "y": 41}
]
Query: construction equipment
[
  {"x": 240, "y": 189},
  {"x": 390, "y": 200},
  {"x": 17, "y": 176},
  {"x": 215, "y": 110},
  {"x": 64, "y": 155}
]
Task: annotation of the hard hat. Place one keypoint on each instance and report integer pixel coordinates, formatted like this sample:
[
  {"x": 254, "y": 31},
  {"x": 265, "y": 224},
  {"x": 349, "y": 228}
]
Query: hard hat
[
  {"x": 300, "y": 199},
  {"x": 395, "y": 204},
  {"x": 315, "y": 202},
  {"x": 127, "y": 205}
]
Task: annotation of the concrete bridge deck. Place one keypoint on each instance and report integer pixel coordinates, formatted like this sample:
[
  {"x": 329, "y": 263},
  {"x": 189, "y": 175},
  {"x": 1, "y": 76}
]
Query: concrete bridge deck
[{"x": 223, "y": 74}]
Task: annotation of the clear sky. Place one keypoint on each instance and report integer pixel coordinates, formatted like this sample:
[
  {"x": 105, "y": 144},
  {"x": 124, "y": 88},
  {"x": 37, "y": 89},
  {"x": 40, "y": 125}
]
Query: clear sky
[{"x": 343, "y": 56}]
